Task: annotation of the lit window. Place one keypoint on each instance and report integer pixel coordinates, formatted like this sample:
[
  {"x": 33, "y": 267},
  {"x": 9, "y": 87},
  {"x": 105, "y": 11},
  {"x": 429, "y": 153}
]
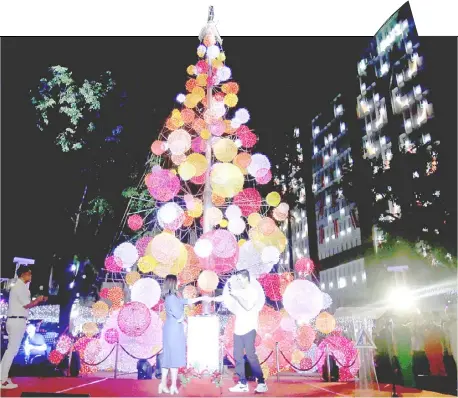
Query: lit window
[
  {"x": 426, "y": 138},
  {"x": 369, "y": 127},
  {"x": 326, "y": 180},
  {"x": 327, "y": 239},
  {"x": 364, "y": 276},
  {"x": 417, "y": 90},
  {"x": 353, "y": 278},
  {"x": 339, "y": 110},
  {"x": 331, "y": 285},
  {"x": 342, "y": 211},
  {"x": 338, "y": 172},
  {"x": 376, "y": 97},
  {"x": 333, "y": 236},
  {"x": 342, "y": 283},
  {"x": 315, "y": 150},
  {"x": 363, "y": 87},
  {"x": 334, "y": 151},
  {"x": 323, "y": 286},
  {"x": 316, "y": 130},
  {"x": 383, "y": 141},
  {"x": 314, "y": 187},
  {"x": 342, "y": 233},
  {"x": 342, "y": 127},
  {"x": 385, "y": 68},
  {"x": 328, "y": 200},
  {"x": 349, "y": 229},
  {"x": 329, "y": 218}
]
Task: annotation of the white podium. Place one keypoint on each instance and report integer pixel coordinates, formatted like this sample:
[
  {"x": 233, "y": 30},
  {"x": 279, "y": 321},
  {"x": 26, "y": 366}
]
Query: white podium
[{"x": 203, "y": 343}]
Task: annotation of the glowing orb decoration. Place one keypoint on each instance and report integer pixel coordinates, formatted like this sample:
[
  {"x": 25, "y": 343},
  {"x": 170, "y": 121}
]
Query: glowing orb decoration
[
  {"x": 243, "y": 115},
  {"x": 92, "y": 353},
  {"x": 180, "y": 98},
  {"x": 236, "y": 226},
  {"x": 213, "y": 52},
  {"x": 113, "y": 264},
  {"x": 186, "y": 170},
  {"x": 134, "y": 318},
  {"x": 103, "y": 293},
  {"x": 203, "y": 248},
  {"x": 190, "y": 292},
  {"x": 100, "y": 309},
  {"x": 249, "y": 201},
  {"x": 158, "y": 147},
  {"x": 55, "y": 357},
  {"x": 127, "y": 253},
  {"x": 224, "y": 74},
  {"x": 141, "y": 245},
  {"x": 132, "y": 277},
  {"x": 260, "y": 240},
  {"x": 223, "y": 254},
  {"x": 226, "y": 180},
  {"x": 198, "y": 145},
  {"x": 258, "y": 162},
  {"x": 165, "y": 248},
  {"x": 170, "y": 216},
  {"x": 192, "y": 269},
  {"x": 233, "y": 211},
  {"x": 266, "y": 226},
  {"x": 270, "y": 255},
  {"x": 304, "y": 266},
  {"x": 217, "y": 129},
  {"x": 215, "y": 215},
  {"x": 208, "y": 281},
  {"x": 90, "y": 329},
  {"x": 64, "y": 344},
  {"x": 146, "y": 291},
  {"x": 242, "y": 160},
  {"x": 305, "y": 336},
  {"x": 302, "y": 300},
  {"x": 271, "y": 285},
  {"x": 147, "y": 264},
  {"x": 233, "y": 305},
  {"x": 175, "y": 267},
  {"x": 115, "y": 295},
  {"x": 280, "y": 215},
  {"x": 254, "y": 219},
  {"x": 111, "y": 336},
  {"x": 199, "y": 162},
  {"x": 263, "y": 176},
  {"x": 273, "y": 199},
  {"x": 135, "y": 222},
  {"x": 325, "y": 323},
  {"x": 179, "y": 142},
  {"x": 287, "y": 323},
  {"x": 225, "y": 150},
  {"x": 345, "y": 353},
  {"x": 250, "y": 259},
  {"x": 163, "y": 185}
]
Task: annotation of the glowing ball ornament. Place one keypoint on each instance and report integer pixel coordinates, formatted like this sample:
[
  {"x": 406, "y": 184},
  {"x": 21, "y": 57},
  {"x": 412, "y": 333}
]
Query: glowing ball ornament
[
  {"x": 146, "y": 291},
  {"x": 64, "y": 344},
  {"x": 233, "y": 211},
  {"x": 147, "y": 264},
  {"x": 100, "y": 309},
  {"x": 224, "y": 74},
  {"x": 132, "y": 277},
  {"x": 142, "y": 244},
  {"x": 115, "y": 295},
  {"x": 273, "y": 199},
  {"x": 226, "y": 180},
  {"x": 165, "y": 248},
  {"x": 90, "y": 329},
  {"x": 186, "y": 171},
  {"x": 242, "y": 115},
  {"x": 233, "y": 305},
  {"x": 134, "y": 318},
  {"x": 55, "y": 357},
  {"x": 215, "y": 215},
  {"x": 135, "y": 222},
  {"x": 263, "y": 176},
  {"x": 258, "y": 162},
  {"x": 225, "y": 150},
  {"x": 113, "y": 264},
  {"x": 250, "y": 259},
  {"x": 325, "y": 323},
  {"x": 304, "y": 266},
  {"x": 170, "y": 216},
  {"x": 127, "y": 253},
  {"x": 242, "y": 160},
  {"x": 111, "y": 336},
  {"x": 163, "y": 185},
  {"x": 302, "y": 300},
  {"x": 92, "y": 353},
  {"x": 266, "y": 226},
  {"x": 180, "y": 98},
  {"x": 208, "y": 281},
  {"x": 281, "y": 212},
  {"x": 190, "y": 292},
  {"x": 179, "y": 142},
  {"x": 158, "y": 147},
  {"x": 249, "y": 201},
  {"x": 203, "y": 248},
  {"x": 270, "y": 255},
  {"x": 254, "y": 219},
  {"x": 287, "y": 323},
  {"x": 271, "y": 285},
  {"x": 305, "y": 336},
  {"x": 237, "y": 226},
  {"x": 199, "y": 162}
]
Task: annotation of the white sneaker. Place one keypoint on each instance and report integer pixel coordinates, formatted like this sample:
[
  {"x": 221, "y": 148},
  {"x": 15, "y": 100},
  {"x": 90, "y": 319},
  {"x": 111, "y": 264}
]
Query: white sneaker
[
  {"x": 8, "y": 385},
  {"x": 240, "y": 388},
  {"x": 262, "y": 387}
]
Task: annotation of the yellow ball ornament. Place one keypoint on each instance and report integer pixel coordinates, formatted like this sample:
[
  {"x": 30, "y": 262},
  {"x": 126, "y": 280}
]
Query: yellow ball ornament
[
  {"x": 132, "y": 277},
  {"x": 191, "y": 70},
  {"x": 254, "y": 219},
  {"x": 226, "y": 180},
  {"x": 223, "y": 223},
  {"x": 199, "y": 92},
  {"x": 273, "y": 199},
  {"x": 186, "y": 170},
  {"x": 231, "y": 100},
  {"x": 325, "y": 323},
  {"x": 205, "y": 134},
  {"x": 90, "y": 329},
  {"x": 241, "y": 242},
  {"x": 201, "y": 80},
  {"x": 100, "y": 309},
  {"x": 146, "y": 264},
  {"x": 200, "y": 163},
  {"x": 225, "y": 150}
]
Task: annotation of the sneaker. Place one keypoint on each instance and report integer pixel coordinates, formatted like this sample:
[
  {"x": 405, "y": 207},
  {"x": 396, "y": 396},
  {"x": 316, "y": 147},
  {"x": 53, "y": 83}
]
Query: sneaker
[
  {"x": 8, "y": 385},
  {"x": 262, "y": 387},
  {"x": 240, "y": 388}
]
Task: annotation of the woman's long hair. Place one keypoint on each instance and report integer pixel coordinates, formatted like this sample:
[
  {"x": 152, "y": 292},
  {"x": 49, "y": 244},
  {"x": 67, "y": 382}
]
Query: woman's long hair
[{"x": 170, "y": 286}]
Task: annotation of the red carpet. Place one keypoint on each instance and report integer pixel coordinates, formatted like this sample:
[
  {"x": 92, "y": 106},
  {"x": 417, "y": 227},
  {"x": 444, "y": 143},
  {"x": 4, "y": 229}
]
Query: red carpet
[{"x": 109, "y": 387}]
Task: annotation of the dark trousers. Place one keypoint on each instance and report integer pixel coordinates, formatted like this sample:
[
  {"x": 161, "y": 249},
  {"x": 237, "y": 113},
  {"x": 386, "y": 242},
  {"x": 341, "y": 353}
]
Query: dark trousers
[{"x": 246, "y": 343}]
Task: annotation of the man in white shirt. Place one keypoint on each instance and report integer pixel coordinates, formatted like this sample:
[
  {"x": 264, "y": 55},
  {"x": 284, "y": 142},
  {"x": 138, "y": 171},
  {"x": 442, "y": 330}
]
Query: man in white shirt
[
  {"x": 18, "y": 312},
  {"x": 246, "y": 325}
]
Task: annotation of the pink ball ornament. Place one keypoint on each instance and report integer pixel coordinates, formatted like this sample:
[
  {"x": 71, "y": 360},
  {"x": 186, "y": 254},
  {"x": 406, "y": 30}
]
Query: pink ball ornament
[
  {"x": 199, "y": 180},
  {"x": 113, "y": 264},
  {"x": 134, "y": 318},
  {"x": 111, "y": 336},
  {"x": 198, "y": 145},
  {"x": 217, "y": 128},
  {"x": 249, "y": 201},
  {"x": 104, "y": 293},
  {"x": 135, "y": 222},
  {"x": 305, "y": 336},
  {"x": 142, "y": 244},
  {"x": 304, "y": 266},
  {"x": 271, "y": 285},
  {"x": 64, "y": 344},
  {"x": 55, "y": 357},
  {"x": 158, "y": 148},
  {"x": 248, "y": 140},
  {"x": 258, "y": 162},
  {"x": 223, "y": 251},
  {"x": 263, "y": 176},
  {"x": 163, "y": 185}
]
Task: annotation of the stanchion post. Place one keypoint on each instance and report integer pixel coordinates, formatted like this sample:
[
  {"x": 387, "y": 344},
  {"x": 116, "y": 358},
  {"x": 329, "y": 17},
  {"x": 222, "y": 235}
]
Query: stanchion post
[
  {"x": 328, "y": 363},
  {"x": 116, "y": 361},
  {"x": 69, "y": 370},
  {"x": 277, "y": 361}
]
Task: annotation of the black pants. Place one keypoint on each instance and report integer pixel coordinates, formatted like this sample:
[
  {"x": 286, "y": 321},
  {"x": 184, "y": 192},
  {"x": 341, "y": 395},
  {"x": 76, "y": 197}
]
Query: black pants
[{"x": 246, "y": 342}]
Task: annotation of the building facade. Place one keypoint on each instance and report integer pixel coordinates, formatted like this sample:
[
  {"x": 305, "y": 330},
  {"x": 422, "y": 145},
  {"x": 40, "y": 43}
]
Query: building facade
[{"x": 336, "y": 218}]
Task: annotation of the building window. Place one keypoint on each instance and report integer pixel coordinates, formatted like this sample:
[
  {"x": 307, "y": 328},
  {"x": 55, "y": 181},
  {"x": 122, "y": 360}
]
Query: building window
[
  {"x": 364, "y": 276},
  {"x": 342, "y": 283},
  {"x": 353, "y": 279},
  {"x": 331, "y": 285},
  {"x": 323, "y": 286}
]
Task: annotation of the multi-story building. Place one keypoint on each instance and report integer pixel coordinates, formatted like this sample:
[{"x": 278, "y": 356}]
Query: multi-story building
[
  {"x": 336, "y": 218},
  {"x": 393, "y": 106}
]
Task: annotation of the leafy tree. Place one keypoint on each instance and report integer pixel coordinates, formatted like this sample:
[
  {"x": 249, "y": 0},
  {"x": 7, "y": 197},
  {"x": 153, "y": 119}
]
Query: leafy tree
[{"x": 77, "y": 117}]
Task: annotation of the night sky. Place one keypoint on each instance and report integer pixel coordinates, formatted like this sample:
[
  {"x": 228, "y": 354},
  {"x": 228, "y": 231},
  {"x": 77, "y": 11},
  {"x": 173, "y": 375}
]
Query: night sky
[{"x": 284, "y": 83}]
